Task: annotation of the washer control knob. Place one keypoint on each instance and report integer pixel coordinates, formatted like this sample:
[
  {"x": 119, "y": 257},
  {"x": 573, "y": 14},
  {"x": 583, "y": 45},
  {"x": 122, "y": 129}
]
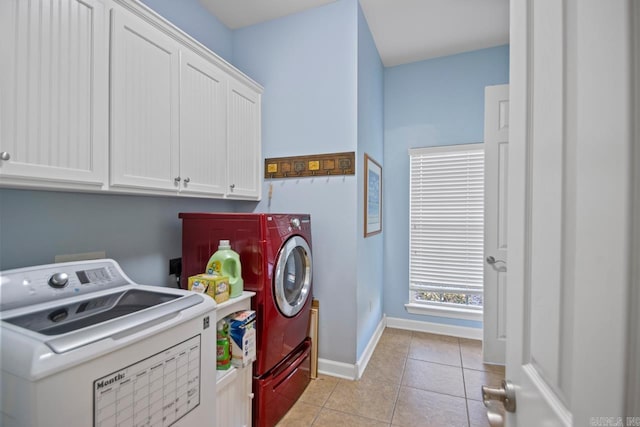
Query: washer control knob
[
  {"x": 59, "y": 280},
  {"x": 295, "y": 222}
]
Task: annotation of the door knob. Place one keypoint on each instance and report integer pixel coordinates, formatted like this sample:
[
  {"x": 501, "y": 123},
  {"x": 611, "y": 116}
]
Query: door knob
[
  {"x": 5, "y": 156},
  {"x": 505, "y": 394},
  {"x": 187, "y": 180},
  {"x": 493, "y": 396},
  {"x": 492, "y": 260}
]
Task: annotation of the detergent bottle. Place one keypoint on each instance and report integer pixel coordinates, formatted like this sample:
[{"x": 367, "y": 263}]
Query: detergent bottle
[{"x": 226, "y": 262}]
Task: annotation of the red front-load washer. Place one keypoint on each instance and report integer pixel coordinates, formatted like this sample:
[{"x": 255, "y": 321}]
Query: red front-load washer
[{"x": 275, "y": 254}]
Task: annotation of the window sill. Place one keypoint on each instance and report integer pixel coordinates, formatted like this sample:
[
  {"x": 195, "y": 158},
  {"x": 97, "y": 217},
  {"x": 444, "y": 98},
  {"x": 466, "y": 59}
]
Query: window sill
[{"x": 450, "y": 312}]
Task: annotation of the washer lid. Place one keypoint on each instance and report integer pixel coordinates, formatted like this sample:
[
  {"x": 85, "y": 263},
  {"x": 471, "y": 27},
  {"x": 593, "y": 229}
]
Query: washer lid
[
  {"x": 114, "y": 315},
  {"x": 71, "y": 317},
  {"x": 292, "y": 278}
]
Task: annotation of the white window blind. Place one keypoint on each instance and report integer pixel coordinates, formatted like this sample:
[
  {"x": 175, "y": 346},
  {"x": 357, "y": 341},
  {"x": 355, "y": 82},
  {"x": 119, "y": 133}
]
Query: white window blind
[{"x": 447, "y": 226}]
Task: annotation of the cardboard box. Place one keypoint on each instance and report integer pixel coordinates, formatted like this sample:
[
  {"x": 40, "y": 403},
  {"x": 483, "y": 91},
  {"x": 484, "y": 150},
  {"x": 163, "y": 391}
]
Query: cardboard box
[
  {"x": 242, "y": 332},
  {"x": 217, "y": 287}
]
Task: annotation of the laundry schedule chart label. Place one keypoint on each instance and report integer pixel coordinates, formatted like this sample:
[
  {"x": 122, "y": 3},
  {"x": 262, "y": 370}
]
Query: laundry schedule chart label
[{"x": 156, "y": 391}]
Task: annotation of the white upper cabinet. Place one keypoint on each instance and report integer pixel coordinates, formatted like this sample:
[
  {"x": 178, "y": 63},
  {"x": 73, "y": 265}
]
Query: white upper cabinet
[
  {"x": 203, "y": 114},
  {"x": 106, "y": 95},
  {"x": 244, "y": 142},
  {"x": 145, "y": 67},
  {"x": 183, "y": 120},
  {"x": 53, "y": 94}
]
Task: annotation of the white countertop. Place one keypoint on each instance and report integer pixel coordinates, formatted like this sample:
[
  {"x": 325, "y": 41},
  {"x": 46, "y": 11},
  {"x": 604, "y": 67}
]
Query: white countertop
[{"x": 230, "y": 306}]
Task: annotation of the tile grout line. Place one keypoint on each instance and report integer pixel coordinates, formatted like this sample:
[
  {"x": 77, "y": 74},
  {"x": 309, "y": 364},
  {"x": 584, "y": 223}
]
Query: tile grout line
[
  {"x": 347, "y": 412},
  {"x": 436, "y": 392},
  {"x": 404, "y": 368},
  {"x": 399, "y": 385},
  {"x": 436, "y": 363},
  {"x": 323, "y": 405},
  {"x": 464, "y": 384}
]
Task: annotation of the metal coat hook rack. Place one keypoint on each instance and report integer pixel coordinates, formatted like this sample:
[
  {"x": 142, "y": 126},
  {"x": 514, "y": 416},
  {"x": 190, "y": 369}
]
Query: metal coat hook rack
[{"x": 332, "y": 164}]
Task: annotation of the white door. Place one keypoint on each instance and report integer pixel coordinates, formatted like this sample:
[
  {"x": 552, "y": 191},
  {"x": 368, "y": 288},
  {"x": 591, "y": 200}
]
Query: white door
[
  {"x": 244, "y": 158},
  {"x": 203, "y": 137},
  {"x": 570, "y": 211},
  {"x": 53, "y": 92},
  {"x": 144, "y": 104},
  {"x": 496, "y": 156}
]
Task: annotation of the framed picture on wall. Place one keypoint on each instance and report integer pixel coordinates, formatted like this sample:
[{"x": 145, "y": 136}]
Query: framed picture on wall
[{"x": 372, "y": 196}]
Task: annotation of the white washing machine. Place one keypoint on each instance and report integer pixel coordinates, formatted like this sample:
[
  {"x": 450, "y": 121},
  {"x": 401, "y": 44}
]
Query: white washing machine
[{"x": 82, "y": 345}]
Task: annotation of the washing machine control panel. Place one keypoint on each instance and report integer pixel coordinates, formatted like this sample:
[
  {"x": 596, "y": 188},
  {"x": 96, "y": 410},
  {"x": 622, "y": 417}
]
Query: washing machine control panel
[{"x": 28, "y": 286}]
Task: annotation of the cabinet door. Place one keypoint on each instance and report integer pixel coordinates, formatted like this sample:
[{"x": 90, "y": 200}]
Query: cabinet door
[
  {"x": 203, "y": 154},
  {"x": 244, "y": 163},
  {"x": 53, "y": 93},
  {"x": 234, "y": 398},
  {"x": 144, "y": 104}
]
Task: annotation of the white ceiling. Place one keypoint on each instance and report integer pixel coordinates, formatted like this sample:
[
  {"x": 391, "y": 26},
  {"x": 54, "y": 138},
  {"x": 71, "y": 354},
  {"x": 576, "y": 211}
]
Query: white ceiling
[
  {"x": 412, "y": 30},
  {"x": 242, "y": 13},
  {"x": 404, "y": 30}
]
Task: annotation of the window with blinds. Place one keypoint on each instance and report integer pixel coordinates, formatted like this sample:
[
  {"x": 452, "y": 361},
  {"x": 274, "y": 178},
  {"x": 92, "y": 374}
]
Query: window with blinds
[{"x": 447, "y": 226}]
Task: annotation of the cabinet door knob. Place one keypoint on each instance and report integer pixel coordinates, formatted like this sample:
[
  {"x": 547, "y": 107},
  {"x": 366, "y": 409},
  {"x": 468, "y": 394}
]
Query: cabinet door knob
[
  {"x": 232, "y": 186},
  {"x": 5, "y": 156},
  {"x": 177, "y": 179},
  {"x": 186, "y": 180}
]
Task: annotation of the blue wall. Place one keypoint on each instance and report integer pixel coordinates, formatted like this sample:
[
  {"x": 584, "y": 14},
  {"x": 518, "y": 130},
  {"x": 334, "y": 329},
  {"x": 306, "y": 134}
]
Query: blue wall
[
  {"x": 140, "y": 232},
  {"x": 370, "y": 141},
  {"x": 307, "y": 63},
  {"x": 428, "y": 103},
  {"x": 194, "y": 19}
]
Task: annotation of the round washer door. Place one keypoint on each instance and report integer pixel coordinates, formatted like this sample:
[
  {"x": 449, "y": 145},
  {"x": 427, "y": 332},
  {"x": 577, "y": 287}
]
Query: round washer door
[{"x": 292, "y": 279}]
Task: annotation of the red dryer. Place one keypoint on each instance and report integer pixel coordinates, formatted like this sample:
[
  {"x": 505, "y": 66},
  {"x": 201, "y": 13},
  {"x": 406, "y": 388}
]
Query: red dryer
[{"x": 275, "y": 253}]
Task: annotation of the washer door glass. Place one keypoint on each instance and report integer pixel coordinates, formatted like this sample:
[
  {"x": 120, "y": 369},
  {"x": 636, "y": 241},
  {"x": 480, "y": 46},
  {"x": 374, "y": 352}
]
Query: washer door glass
[{"x": 292, "y": 280}]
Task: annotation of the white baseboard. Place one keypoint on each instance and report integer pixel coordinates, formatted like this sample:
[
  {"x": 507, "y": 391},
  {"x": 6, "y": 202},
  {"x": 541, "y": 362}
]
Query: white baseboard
[
  {"x": 361, "y": 364},
  {"x": 350, "y": 371},
  {"x": 347, "y": 370},
  {"x": 337, "y": 369},
  {"x": 435, "y": 328}
]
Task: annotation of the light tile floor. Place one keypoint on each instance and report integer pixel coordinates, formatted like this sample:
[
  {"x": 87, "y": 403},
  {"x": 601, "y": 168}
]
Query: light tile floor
[{"x": 412, "y": 379}]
